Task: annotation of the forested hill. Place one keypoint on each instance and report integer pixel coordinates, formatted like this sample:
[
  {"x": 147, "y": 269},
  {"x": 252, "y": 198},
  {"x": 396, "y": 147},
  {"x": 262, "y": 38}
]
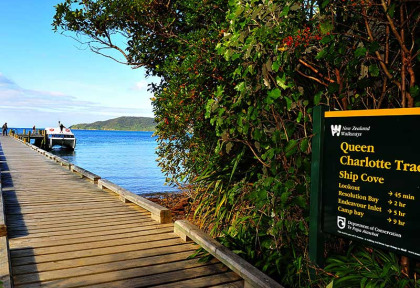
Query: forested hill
[{"x": 120, "y": 123}]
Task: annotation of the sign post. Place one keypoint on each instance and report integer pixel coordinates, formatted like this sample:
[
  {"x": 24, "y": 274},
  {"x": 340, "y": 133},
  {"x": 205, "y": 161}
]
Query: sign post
[
  {"x": 370, "y": 179},
  {"x": 316, "y": 238}
]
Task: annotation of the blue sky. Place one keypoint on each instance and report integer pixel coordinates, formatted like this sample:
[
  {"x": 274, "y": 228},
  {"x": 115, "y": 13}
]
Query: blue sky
[{"x": 46, "y": 77}]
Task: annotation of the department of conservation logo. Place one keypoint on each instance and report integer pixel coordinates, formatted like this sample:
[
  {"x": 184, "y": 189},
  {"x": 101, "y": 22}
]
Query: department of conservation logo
[
  {"x": 341, "y": 222},
  {"x": 335, "y": 130}
]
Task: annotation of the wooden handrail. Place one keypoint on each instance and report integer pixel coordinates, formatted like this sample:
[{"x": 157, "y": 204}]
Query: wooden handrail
[
  {"x": 85, "y": 173},
  {"x": 158, "y": 213},
  {"x": 252, "y": 276}
]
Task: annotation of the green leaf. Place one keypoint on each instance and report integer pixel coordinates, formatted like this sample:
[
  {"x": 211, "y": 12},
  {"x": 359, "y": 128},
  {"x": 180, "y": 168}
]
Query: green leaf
[
  {"x": 326, "y": 27},
  {"x": 325, "y": 3},
  {"x": 415, "y": 91},
  {"x": 326, "y": 39},
  {"x": 209, "y": 107},
  {"x": 330, "y": 285},
  {"x": 317, "y": 97},
  {"x": 391, "y": 10},
  {"x": 275, "y": 66},
  {"x": 360, "y": 52},
  {"x": 300, "y": 115},
  {"x": 304, "y": 144},
  {"x": 281, "y": 81},
  {"x": 288, "y": 103},
  {"x": 321, "y": 54},
  {"x": 275, "y": 93},
  {"x": 333, "y": 87},
  {"x": 291, "y": 147},
  {"x": 285, "y": 11},
  {"x": 373, "y": 47},
  {"x": 240, "y": 87},
  {"x": 374, "y": 70}
]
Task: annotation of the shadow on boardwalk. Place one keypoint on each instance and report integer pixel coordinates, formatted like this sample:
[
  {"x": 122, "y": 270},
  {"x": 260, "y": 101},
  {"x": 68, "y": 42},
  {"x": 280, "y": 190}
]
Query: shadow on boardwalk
[
  {"x": 15, "y": 222},
  {"x": 12, "y": 205}
]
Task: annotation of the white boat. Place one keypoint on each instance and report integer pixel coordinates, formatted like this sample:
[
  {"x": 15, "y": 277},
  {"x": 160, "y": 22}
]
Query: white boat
[{"x": 60, "y": 137}]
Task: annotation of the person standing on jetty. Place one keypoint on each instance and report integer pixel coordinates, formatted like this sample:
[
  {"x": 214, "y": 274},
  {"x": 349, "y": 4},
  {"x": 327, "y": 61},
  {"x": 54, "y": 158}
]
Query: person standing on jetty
[
  {"x": 4, "y": 129},
  {"x": 33, "y": 130}
]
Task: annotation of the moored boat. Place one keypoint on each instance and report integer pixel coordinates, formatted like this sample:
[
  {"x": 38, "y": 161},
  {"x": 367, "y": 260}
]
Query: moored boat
[{"x": 60, "y": 137}]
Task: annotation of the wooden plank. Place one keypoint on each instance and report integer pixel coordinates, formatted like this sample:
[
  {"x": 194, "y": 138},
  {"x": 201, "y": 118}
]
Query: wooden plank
[
  {"x": 72, "y": 218},
  {"x": 101, "y": 268},
  {"x": 165, "y": 278},
  {"x": 39, "y": 202},
  {"x": 24, "y": 233},
  {"x": 87, "y": 234},
  {"x": 51, "y": 222},
  {"x": 51, "y": 243},
  {"x": 94, "y": 252},
  {"x": 79, "y": 226},
  {"x": 108, "y": 258},
  {"x": 228, "y": 279},
  {"x": 236, "y": 284},
  {"x": 65, "y": 207},
  {"x": 92, "y": 211},
  {"x": 152, "y": 275},
  {"x": 140, "y": 238}
]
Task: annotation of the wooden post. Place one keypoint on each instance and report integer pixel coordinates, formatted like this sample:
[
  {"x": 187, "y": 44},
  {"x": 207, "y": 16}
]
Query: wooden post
[{"x": 44, "y": 141}]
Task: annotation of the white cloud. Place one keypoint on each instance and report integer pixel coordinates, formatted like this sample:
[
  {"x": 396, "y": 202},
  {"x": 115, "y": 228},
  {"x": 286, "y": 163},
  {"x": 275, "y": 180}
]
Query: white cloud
[
  {"x": 141, "y": 85},
  {"x": 26, "y": 107}
]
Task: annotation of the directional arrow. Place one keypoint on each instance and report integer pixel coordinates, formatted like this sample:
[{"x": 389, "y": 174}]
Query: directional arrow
[
  {"x": 389, "y": 211},
  {"x": 389, "y": 219},
  {"x": 390, "y": 193},
  {"x": 389, "y": 202}
]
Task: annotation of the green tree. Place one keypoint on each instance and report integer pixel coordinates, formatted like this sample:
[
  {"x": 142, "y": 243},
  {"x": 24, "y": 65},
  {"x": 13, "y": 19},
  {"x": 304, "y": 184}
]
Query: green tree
[
  {"x": 173, "y": 40},
  {"x": 291, "y": 56}
]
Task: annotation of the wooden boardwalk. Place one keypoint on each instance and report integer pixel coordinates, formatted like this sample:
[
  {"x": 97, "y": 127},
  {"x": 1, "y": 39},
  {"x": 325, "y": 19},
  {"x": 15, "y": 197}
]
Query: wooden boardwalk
[{"x": 63, "y": 231}]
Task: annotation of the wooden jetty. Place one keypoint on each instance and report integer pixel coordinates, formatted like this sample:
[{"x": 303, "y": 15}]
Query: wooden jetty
[
  {"x": 39, "y": 137},
  {"x": 63, "y": 226}
]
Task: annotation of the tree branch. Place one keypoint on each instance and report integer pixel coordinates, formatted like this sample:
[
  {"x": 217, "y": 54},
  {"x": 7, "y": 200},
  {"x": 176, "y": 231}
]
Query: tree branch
[
  {"x": 316, "y": 71},
  {"x": 312, "y": 78}
]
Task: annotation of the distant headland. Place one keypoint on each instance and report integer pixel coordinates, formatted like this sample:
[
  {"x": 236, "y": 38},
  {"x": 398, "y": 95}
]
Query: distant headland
[{"x": 120, "y": 123}]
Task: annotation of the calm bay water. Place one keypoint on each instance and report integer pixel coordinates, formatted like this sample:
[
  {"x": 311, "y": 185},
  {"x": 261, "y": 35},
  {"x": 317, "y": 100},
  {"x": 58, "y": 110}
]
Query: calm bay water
[{"x": 126, "y": 158}]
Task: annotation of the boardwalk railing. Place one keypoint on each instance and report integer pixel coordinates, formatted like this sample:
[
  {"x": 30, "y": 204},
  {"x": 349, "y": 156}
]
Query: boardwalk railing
[
  {"x": 158, "y": 213},
  {"x": 184, "y": 229},
  {"x": 252, "y": 276}
]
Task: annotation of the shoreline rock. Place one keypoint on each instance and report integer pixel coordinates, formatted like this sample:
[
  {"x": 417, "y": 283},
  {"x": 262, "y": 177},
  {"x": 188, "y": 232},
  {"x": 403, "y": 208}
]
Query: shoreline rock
[{"x": 177, "y": 202}]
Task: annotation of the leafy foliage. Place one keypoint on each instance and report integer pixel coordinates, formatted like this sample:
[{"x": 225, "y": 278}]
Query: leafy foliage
[
  {"x": 238, "y": 83},
  {"x": 364, "y": 267}
]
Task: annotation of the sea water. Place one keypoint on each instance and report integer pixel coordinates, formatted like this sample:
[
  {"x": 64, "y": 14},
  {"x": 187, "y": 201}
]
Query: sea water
[{"x": 127, "y": 158}]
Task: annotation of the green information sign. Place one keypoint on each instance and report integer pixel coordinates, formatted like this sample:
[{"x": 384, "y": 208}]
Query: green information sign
[{"x": 370, "y": 178}]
